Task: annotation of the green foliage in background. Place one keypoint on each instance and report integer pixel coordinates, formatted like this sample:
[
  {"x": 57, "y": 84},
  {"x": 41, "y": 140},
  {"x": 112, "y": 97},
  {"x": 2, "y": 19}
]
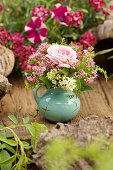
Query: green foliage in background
[
  {"x": 17, "y": 13},
  {"x": 61, "y": 152}
]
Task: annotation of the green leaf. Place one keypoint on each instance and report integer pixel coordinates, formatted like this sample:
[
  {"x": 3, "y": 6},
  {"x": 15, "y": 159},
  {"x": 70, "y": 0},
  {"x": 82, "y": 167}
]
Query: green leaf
[
  {"x": 104, "y": 51},
  {"x": 11, "y": 142},
  {"x": 2, "y": 146},
  {"x": 26, "y": 120},
  {"x": 28, "y": 147},
  {"x": 63, "y": 71},
  {"x": 2, "y": 127},
  {"x": 9, "y": 160},
  {"x": 25, "y": 143},
  {"x": 35, "y": 139},
  {"x": 8, "y": 141},
  {"x": 32, "y": 63},
  {"x": 27, "y": 71},
  {"x": 4, "y": 155},
  {"x": 101, "y": 70},
  {"x": 85, "y": 86},
  {"x": 111, "y": 57},
  {"x": 31, "y": 129},
  {"x": 37, "y": 128},
  {"x": 13, "y": 118},
  {"x": 80, "y": 48},
  {"x": 2, "y": 137},
  {"x": 46, "y": 81},
  {"x": 8, "y": 135},
  {"x": 29, "y": 161},
  {"x": 9, "y": 148},
  {"x": 84, "y": 10}
]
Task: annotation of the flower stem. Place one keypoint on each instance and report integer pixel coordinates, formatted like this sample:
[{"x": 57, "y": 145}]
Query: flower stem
[{"x": 70, "y": 3}]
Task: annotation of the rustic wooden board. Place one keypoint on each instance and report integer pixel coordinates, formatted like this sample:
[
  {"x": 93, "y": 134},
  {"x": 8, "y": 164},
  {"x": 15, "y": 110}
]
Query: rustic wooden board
[{"x": 20, "y": 102}]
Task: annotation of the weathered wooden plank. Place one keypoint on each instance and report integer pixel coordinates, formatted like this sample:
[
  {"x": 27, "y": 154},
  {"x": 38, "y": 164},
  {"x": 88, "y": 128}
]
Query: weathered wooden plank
[{"x": 21, "y": 103}]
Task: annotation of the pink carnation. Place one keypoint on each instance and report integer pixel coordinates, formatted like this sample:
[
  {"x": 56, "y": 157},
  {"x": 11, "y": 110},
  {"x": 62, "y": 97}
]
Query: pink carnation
[
  {"x": 88, "y": 39},
  {"x": 69, "y": 17},
  {"x": 61, "y": 55},
  {"x": 74, "y": 18},
  {"x": 36, "y": 30},
  {"x": 40, "y": 12},
  {"x": 97, "y": 4},
  {"x": 23, "y": 65},
  {"x": 110, "y": 8},
  {"x": 59, "y": 13},
  {"x": 1, "y": 7},
  {"x": 78, "y": 16},
  {"x": 18, "y": 38}
]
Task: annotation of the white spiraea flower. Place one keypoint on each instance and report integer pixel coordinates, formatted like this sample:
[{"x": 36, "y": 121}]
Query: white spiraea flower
[
  {"x": 52, "y": 74},
  {"x": 68, "y": 83}
]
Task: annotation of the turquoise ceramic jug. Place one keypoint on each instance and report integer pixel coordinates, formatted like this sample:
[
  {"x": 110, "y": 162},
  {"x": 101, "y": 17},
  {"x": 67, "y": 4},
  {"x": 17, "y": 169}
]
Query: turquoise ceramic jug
[{"x": 57, "y": 105}]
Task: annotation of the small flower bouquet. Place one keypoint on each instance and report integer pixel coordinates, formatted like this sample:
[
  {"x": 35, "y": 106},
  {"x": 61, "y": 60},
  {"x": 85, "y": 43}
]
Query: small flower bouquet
[{"x": 61, "y": 66}]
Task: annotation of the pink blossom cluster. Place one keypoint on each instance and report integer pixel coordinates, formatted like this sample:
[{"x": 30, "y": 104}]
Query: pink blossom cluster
[
  {"x": 74, "y": 18},
  {"x": 63, "y": 0},
  {"x": 107, "y": 13},
  {"x": 42, "y": 61},
  {"x": 40, "y": 12},
  {"x": 97, "y": 4},
  {"x": 5, "y": 36},
  {"x": 16, "y": 43},
  {"x": 89, "y": 74},
  {"x": 22, "y": 53},
  {"x": 88, "y": 39},
  {"x": 1, "y": 7}
]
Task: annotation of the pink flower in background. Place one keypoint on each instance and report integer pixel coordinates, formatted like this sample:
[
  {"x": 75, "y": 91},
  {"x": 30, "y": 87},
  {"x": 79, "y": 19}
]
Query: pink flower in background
[
  {"x": 69, "y": 17},
  {"x": 74, "y": 18},
  {"x": 110, "y": 8},
  {"x": 77, "y": 17},
  {"x": 1, "y": 7},
  {"x": 63, "y": 0},
  {"x": 36, "y": 30},
  {"x": 97, "y": 4},
  {"x": 18, "y": 38},
  {"x": 4, "y": 36},
  {"x": 23, "y": 65},
  {"x": 40, "y": 12},
  {"x": 61, "y": 55},
  {"x": 59, "y": 13},
  {"x": 88, "y": 39}
]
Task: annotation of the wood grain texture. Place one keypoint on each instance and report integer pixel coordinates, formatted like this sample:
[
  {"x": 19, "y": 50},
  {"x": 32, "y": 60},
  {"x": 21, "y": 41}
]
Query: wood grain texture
[{"x": 20, "y": 102}]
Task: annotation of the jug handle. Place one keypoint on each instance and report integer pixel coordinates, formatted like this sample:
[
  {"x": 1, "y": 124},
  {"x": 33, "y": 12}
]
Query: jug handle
[{"x": 35, "y": 90}]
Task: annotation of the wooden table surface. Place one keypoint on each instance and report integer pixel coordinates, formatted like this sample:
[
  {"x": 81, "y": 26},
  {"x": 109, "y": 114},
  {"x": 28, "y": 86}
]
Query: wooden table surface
[{"x": 20, "y": 102}]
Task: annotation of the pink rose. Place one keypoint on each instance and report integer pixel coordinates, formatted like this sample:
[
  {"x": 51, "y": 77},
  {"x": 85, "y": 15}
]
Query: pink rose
[{"x": 62, "y": 55}]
